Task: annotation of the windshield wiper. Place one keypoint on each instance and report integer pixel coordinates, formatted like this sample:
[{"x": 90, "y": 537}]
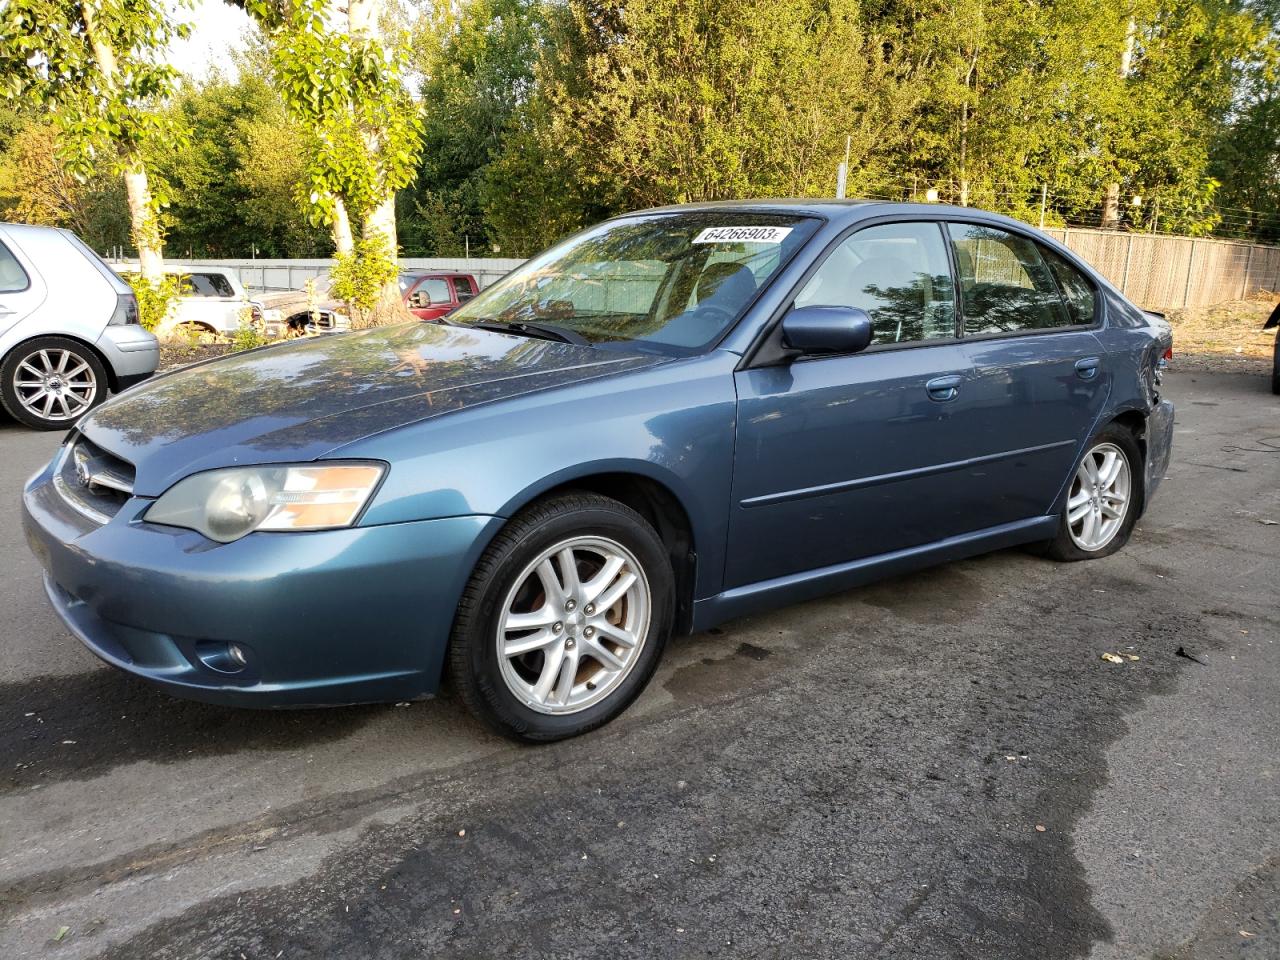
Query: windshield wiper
[{"x": 546, "y": 331}]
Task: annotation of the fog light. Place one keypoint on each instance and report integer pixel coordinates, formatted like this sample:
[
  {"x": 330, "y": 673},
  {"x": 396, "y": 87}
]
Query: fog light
[{"x": 222, "y": 657}]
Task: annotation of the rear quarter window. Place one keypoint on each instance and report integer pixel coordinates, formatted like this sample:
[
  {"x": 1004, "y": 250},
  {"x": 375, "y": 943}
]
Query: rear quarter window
[
  {"x": 12, "y": 277},
  {"x": 1077, "y": 292}
]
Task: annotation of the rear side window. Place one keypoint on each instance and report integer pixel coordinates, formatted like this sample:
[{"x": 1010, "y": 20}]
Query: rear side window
[
  {"x": 206, "y": 285},
  {"x": 898, "y": 273},
  {"x": 1078, "y": 292},
  {"x": 464, "y": 289},
  {"x": 1005, "y": 285},
  {"x": 12, "y": 277}
]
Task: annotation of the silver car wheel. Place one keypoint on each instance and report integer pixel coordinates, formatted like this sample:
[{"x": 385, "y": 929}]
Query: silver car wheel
[
  {"x": 573, "y": 625},
  {"x": 55, "y": 384},
  {"x": 1099, "y": 498}
]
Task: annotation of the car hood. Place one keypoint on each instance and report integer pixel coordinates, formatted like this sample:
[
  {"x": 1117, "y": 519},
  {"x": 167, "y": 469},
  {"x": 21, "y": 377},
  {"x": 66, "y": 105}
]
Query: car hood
[{"x": 300, "y": 400}]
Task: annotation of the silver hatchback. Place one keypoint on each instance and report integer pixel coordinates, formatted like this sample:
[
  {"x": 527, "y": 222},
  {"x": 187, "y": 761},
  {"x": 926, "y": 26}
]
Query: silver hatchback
[{"x": 69, "y": 330}]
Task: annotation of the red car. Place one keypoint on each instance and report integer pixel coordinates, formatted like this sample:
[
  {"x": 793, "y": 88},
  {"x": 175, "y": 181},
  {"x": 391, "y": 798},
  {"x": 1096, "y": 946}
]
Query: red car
[{"x": 431, "y": 294}]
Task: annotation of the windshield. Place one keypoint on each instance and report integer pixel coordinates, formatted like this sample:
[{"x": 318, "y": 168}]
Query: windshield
[{"x": 674, "y": 282}]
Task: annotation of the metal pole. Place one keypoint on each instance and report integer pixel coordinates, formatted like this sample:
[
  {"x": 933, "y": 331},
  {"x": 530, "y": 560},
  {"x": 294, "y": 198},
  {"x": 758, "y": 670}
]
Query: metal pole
[
  {"x": 1128, "y": 255},
  {"x": 1044, "y": 196},
  {"x": 1248, "y": 265},
  {"x": 1191, "y": 262}
]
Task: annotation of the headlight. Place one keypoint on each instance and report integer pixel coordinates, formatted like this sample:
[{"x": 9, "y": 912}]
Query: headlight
[{"x": 226, "y": 505}]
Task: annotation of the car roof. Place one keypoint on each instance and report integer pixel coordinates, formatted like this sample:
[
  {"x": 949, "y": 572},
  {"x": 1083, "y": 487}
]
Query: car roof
[{"x": 838, "y": 211}]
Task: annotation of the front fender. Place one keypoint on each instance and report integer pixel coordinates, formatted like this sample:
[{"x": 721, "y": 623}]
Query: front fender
[{"x": 672, "y": 424}]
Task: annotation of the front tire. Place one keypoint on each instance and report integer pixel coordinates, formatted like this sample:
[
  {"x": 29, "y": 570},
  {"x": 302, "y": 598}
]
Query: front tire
[
  {"x": 49, "y": 383},
  {"x": 1104, "y": 499},
  {"x": 564, "y": 619}
]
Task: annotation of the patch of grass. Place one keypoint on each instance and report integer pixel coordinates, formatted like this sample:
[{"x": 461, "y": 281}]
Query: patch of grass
[{"x": 1226, "y": 329}]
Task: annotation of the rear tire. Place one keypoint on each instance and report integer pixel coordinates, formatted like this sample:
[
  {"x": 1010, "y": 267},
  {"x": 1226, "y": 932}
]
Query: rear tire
[
  {"x": 1103, "y": 500},
  {"x": 530, "y": 654},
  {"x": 50, "y": 383}
]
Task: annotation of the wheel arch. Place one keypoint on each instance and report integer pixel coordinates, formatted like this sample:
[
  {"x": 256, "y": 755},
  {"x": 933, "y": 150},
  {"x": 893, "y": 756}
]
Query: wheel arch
[
  {"x": 112, "y": 380},
  {"x": 1135, "y": 422},
  {"x": 653, "y": 499}
]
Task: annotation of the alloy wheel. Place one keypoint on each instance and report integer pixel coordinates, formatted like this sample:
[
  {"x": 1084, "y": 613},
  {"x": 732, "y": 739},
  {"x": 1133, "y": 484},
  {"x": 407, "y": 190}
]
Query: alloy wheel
[
  {"x": 1099, "y": 498},
  {"x": 55, "y": 384},
  {"x": 573, "y": 625}
]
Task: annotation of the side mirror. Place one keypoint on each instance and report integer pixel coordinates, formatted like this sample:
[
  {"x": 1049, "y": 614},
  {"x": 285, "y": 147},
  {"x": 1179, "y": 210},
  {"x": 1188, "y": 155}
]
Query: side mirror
[{"x": 827, "y": 329}]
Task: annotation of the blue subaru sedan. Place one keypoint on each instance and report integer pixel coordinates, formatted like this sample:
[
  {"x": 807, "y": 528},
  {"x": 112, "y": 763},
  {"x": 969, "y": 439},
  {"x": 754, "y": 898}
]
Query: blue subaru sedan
[{"x": 671, "y": 419}]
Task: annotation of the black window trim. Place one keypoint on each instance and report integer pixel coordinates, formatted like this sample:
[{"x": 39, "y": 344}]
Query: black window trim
[
  {"x": 8, "y": 248},
  {"x": 1099, "y": 300},
  {"x": 766, "y": 350}
]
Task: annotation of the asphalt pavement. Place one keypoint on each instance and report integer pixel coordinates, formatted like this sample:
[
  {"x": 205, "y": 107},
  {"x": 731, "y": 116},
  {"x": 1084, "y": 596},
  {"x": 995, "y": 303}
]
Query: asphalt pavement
[{"x": 937, "y": 766}]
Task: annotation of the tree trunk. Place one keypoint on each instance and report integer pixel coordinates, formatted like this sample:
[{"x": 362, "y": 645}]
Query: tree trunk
[
  {"x": 1111, "y": 207},
  {"x": 343, "y": 241},
  {"x": 381, "y": 224},
  {"x": 143, "y": 225}
]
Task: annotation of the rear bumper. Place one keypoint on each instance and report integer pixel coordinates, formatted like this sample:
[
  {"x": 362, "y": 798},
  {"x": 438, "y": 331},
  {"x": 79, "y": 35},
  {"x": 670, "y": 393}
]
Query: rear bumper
[
  {"x": 1159, "y": 447},
  {"x": 133, "y": 354},
  {"x": 329, "y": 617}
]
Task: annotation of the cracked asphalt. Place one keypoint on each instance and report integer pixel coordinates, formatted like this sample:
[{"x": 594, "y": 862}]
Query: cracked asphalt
[{"x": 936, "y": 766}]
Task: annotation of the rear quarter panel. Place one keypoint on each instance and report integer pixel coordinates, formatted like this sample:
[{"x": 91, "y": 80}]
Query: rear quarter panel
[
  {"x": 77, "y": 300},
  {"x": 672, "y": 423}
]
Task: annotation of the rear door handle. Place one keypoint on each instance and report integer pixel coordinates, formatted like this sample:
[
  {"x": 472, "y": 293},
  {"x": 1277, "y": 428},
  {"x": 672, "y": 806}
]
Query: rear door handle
[
  {"x": 943, "y": 389},
  {"x": 1087, "y": 368}
]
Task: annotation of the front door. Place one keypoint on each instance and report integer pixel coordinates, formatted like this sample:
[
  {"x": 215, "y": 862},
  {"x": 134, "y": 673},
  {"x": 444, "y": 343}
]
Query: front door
[{"x": 845, "y": 457}]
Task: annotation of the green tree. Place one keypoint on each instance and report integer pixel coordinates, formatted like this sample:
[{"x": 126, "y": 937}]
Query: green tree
[
  {"x": 341, "y": 75},
  {"x": 478, "y": 65},
  {"x": 35, "y": 187},
  {"x": 99, "y": 65},
  {"x": 237, "y": 185},
  {"x": 655, "y": 101}
]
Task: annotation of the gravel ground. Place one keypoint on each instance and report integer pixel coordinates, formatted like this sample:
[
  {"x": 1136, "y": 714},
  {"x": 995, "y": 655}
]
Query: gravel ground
[{"x": 937, "y": 766}]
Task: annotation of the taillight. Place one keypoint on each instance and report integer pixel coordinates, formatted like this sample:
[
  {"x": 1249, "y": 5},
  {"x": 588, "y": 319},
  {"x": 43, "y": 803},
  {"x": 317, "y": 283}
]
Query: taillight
[
  {"x": 1168, "y": 353},
  {"x": 126, "y": 310}
]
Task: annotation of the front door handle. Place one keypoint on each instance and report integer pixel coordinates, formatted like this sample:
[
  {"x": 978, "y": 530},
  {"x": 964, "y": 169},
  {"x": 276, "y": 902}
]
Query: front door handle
[
  {"x": 1087, "y": 368},
  {"x": 943, "y": 389}
]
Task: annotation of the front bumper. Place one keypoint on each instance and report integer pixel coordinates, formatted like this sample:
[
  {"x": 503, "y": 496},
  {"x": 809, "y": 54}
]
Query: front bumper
[
  {"x": 1159, "y": 447},
  {"x": 327, "y": 617}
]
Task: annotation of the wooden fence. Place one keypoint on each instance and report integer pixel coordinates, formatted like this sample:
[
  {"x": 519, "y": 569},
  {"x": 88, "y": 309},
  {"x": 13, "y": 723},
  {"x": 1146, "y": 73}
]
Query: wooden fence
[{"x": 1165, "y": 272}]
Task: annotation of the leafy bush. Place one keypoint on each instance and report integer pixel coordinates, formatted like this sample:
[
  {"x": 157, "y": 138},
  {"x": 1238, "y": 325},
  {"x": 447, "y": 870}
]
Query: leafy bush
[
  {"x": 250, "y": 333},
  {"x": 359, "y": 276},
  {"x": 155, "y": 298}
]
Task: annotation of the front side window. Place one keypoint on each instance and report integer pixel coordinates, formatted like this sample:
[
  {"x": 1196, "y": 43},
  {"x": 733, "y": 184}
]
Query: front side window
[
  {"x": 206, "y": 285},
  {"x": 898, "y": 273},
  {"x": 12, "y": 277},
  {"x": 1005, "y": 285},
  {"x": 671, "y": 283},
  {"x": 1078, "y": 292},
  {"x": 433, "y": 290}
]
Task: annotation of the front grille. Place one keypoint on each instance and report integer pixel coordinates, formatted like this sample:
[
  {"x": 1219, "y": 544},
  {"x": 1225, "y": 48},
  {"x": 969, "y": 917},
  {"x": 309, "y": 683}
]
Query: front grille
[{"x": 94, "y": 482}]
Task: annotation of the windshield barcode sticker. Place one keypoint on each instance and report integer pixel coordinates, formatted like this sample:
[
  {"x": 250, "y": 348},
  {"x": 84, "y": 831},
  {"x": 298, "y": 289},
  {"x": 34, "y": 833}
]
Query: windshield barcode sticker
[{"x": 742, "y": 235}]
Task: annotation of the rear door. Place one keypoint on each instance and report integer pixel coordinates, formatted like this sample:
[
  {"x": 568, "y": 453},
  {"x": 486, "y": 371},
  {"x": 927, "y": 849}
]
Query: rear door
[
  {"x": 464, "y": 288},
  {"x": 1040, "y": 375},
  {"x": 22, "y": 289},
  {"x": 844, "y": 457}
]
